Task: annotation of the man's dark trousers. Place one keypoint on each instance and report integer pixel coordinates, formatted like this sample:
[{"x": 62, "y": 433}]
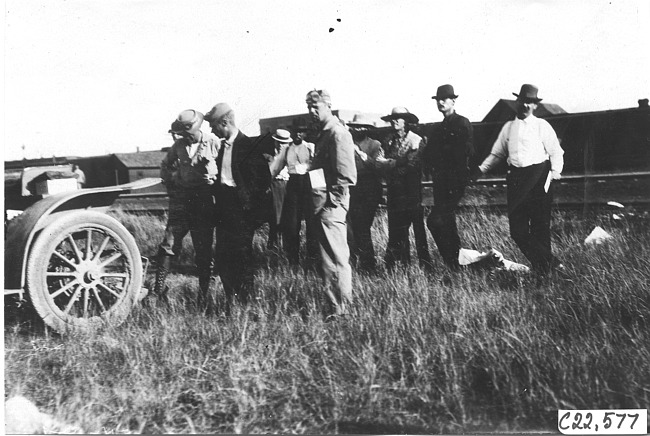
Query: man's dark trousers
[
  {"x": 529, "y": 214},
  {"x": 235, "y": 230},
  {"x": 442, "y": 220},
  {"x": 399, "y": 246},
  {"x": 191, "y": 210},
  {"x": 297, "y": 206},
  {"x": 364, "y": 201}
]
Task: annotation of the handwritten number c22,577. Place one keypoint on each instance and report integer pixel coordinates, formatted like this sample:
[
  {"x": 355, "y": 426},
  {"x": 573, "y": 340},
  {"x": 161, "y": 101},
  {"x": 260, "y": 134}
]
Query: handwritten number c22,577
[{"x": 597, "y": 421}]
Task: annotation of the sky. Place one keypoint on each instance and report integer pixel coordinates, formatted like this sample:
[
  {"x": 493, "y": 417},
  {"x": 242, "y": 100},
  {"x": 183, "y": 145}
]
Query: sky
[{"x": 91, "y": 77}]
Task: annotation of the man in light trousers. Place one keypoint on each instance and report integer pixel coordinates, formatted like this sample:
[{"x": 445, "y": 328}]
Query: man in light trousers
[{"x": 333, "y": 171}]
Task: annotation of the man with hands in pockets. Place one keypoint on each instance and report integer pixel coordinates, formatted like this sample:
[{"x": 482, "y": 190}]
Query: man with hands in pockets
[{"x": 333, "y": 171}]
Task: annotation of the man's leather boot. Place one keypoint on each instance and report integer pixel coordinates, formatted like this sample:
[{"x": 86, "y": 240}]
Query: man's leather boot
[{"x": 160, "y": 290}]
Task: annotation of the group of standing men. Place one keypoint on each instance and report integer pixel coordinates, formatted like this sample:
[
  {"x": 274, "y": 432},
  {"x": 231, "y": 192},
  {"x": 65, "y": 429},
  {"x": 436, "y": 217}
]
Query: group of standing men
[
  {"x": 217, "y": 185},
  {"x": 223, "y": 181}
]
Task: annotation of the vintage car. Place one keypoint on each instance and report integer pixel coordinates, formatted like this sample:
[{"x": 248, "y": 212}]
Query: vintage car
[{"x": 79, "y": 268}]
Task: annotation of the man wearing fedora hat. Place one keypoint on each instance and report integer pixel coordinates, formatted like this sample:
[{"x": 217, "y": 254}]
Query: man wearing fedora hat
[
  {"x": 365, "y": 195},
  {"x": 295, "y": 158},
  {"x": 535, "y": 158},
  {"x": 332, "y": 173},
  {"x": 244, "y": 199},
  {"x": 447, "y": 156},
  {"x": 189, "y": 171},
  {"x": 400, "y": 163}
]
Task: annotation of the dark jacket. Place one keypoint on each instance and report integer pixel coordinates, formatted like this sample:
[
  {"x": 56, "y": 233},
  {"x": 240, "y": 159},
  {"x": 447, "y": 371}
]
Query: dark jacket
[
  {"x": 404, "y": 182},
  {"x": 449, "y": 150},
  {"x": 251, "y": 173}
]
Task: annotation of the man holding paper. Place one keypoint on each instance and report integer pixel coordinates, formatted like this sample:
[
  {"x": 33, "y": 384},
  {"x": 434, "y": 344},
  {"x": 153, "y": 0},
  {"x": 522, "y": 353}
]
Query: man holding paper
[
  {"x": 295, "y": 158},
  {"x": 333, "y": 171},
  {"x": 534, "y": 158}
]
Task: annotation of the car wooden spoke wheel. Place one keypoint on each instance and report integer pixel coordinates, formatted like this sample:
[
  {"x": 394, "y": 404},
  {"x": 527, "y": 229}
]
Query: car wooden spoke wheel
[{"x": 84, "y": 271}]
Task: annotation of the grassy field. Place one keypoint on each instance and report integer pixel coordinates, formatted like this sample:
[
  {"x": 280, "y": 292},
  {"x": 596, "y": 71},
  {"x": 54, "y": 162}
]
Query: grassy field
[{"x": 451, "y": 353}]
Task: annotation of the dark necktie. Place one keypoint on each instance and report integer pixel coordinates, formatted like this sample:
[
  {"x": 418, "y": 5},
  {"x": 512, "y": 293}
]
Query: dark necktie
[{"x": 222, "y": 147}]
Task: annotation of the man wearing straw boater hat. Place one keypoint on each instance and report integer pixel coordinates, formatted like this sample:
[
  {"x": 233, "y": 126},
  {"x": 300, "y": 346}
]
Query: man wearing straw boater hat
[
  {"x": 535, "y": 158},
  {"x": 282, "y": 139},
  {"x": 447, "y": 155},
  {"x": 365, "y": 195},
  {"x": 189, "y": 172},
  {"x": 332, "y": 173},
  {"x": 295, "y": 159},
  {"x": 403, "y": 173},
  {"x": 243, "y": 196}
]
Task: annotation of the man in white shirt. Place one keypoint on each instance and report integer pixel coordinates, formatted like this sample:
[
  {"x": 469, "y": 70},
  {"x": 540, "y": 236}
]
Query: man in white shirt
[
  {"x": 295, "y": 159},
  {"x": 534, "y": 158},
  {"x": 243, "y": 199}
]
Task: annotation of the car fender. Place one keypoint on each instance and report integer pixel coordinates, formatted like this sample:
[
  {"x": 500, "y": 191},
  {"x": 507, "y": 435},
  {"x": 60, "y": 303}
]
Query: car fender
[{"x": 22, "y": 230}]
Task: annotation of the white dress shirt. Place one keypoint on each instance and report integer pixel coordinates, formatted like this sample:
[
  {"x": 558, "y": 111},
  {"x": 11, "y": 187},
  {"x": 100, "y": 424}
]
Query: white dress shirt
[
  {"x": 226, "y": 164},
  {"x": 524, "y": 143},
  {"x": 295, "y": 158}
]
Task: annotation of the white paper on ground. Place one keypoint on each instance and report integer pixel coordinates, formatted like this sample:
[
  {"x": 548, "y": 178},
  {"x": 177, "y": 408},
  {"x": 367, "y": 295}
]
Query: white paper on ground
[
  {"x": 597, "y": 236},
  {"x": 468, "y": 257},
  {"x": 509, "y": 265},
  {"x": 317, "y": 179}
]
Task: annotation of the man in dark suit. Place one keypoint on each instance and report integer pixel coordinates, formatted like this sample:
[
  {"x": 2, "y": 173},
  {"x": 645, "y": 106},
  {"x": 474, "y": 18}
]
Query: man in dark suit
[
  {"x": 243, "y": 201},
  {"x": 365, "y": 195},
  {"x": 402, "y": 169},
  {"x": 447, "y": 154}
]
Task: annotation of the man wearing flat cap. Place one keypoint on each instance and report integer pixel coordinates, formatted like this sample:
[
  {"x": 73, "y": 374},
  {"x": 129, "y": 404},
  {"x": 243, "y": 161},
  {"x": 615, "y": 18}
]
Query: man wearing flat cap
[
  {"x": 535, "y": 158},
  {"x": 189, "y": 171},
  {"x": 402, "y": 169},
  {"x": 365, "y": 195},
  {"x": 447, "y": 157},
  {"x": 332, "y": 173},
  {"x": 243, "y": 196}
]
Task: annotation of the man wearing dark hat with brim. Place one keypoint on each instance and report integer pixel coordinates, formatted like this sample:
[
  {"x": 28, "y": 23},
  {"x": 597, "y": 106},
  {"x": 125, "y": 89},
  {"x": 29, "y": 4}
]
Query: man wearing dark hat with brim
[
  {"x": 332, "y": 173},
  {"x": 447, "y": 156},
  {"x": 535, "y": 158},
  {"x": 189, "y": 171},
  {"x": 365, "y": 195},
  {"x": 244, "y": 198},
  {"x": 401, "y": 166}
]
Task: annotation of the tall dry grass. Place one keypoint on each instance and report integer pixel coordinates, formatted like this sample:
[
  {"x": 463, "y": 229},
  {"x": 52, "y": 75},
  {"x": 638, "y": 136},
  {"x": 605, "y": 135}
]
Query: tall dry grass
[{"x": 451, "y": 353}]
